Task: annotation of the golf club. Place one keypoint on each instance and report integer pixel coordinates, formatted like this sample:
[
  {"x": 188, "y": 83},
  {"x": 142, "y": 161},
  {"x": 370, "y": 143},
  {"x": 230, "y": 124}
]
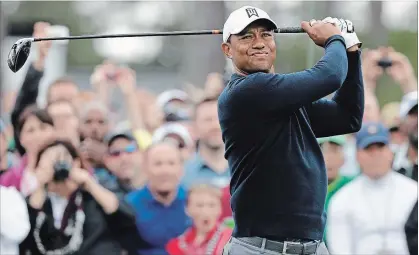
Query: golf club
[{"x": 20, "y": 50}]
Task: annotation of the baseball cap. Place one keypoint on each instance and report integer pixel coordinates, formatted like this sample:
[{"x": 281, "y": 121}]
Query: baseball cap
[
  {"x": 338, "y": 139},
  {"x": 172, "y": 129},
  {"x": 241, "y": 18},
  {"x": 409, "y": 101},
  {"x": 109, "y": 138},
  {"x": 371, "y": 133},
  {"x": 169, "y": 95}
]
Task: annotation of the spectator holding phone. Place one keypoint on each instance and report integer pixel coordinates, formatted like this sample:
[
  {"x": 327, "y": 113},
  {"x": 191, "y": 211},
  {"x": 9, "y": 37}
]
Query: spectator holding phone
[
  {"x": 72, "y": 214},
  {"x": 386, "y": 60},
  {"x": 207, "y": 235}
]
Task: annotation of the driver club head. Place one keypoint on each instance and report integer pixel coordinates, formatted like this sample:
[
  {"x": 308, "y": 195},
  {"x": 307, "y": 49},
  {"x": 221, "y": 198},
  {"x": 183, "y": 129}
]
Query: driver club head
[{"x": 19, "y": 53}]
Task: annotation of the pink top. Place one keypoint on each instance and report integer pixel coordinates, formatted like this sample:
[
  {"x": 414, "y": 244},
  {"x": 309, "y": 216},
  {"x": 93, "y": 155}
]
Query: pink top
[{"x": 13, "y": 176}]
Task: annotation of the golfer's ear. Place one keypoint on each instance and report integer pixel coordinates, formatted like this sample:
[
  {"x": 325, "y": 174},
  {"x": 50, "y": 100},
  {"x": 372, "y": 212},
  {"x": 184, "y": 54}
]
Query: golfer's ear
[{"x": 226, "y": 49}]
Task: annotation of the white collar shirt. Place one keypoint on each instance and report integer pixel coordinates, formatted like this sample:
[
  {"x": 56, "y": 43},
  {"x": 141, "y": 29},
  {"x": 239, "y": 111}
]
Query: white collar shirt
[{"x": 368, "y": 216}]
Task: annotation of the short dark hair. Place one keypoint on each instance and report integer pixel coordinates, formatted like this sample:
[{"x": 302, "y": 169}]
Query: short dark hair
[
  {"x": 41, "y": 114},
  {"x": 202, "y": 102},
  {"x": 67, "y": 144}
]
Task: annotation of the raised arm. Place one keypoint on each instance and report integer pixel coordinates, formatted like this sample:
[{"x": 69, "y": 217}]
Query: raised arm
[
  {"x": 345, "y": 110},
  {"x": 285, "y": 93},
  {"x": 27, "y": 96},
  {"x": 28, "y": 93}
]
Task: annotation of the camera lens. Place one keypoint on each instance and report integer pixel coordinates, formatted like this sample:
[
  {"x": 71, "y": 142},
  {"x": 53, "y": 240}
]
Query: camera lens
[{"x": 61, "y": 171}]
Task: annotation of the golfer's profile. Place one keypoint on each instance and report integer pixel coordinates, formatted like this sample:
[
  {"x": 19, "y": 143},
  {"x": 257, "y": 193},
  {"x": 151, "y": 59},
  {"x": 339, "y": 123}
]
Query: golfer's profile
[{"x": 270, "y": 123}]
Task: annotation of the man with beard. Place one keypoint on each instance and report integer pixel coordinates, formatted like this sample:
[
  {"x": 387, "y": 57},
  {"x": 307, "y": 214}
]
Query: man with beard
[
  {"x": 94, "y": 125},
  {"x": 208, "y": 164},
  {"x": 160, "y": 205}
]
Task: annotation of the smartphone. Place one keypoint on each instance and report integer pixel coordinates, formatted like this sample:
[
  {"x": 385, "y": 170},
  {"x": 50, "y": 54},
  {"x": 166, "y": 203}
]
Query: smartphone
[{"x": 385, "y": 62}]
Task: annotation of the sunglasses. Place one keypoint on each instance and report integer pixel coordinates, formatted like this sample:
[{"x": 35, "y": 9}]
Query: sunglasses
[{"x": 128, "y": 149}]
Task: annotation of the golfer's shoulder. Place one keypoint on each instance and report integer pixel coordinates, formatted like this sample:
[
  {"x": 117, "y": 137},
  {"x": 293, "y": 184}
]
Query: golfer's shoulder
[{"x": 252, "y": 81}]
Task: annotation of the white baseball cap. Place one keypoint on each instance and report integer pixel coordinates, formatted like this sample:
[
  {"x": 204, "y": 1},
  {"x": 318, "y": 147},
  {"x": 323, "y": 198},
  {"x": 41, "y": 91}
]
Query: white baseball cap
[
  {"x": 409, "y": 101},
  {"x": 241, "y": 18},
  {"x": 172, "y": 128},
  {"x": 169, "y": 95}
]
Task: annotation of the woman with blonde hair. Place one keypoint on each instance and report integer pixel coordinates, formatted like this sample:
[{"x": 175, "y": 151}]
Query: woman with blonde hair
[{"x": 208, "y": 235}]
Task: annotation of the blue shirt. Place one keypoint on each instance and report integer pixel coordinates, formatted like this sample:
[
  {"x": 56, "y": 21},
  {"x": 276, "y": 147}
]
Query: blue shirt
[
  {"x": 157, "y": 223},
  {"x": 197, "y": 171},
  {"x": 269, "y": 125}
]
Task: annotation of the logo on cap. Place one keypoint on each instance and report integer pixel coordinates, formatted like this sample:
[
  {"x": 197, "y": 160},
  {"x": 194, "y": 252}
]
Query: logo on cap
[
  {"x": 372, "y": 130},
  {"x": 252, "y": 12}
]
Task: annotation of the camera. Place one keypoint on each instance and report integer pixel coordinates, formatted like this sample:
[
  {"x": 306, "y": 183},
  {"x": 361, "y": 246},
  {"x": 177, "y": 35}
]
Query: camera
[
  {"x": 385, "y": 62},
  {"x": 61, "y": 171}
]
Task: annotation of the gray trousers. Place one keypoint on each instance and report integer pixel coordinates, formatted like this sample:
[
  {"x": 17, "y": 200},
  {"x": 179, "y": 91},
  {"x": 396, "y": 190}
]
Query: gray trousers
[{"x": 237, "y": 247}]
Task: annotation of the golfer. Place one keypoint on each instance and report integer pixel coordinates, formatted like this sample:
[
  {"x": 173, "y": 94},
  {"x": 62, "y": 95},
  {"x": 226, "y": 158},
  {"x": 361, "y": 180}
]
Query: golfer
[{"x": 270, "y": 123}]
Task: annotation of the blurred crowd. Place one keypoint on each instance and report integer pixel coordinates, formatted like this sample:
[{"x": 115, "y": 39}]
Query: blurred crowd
[{"x": 77, "y": 178}]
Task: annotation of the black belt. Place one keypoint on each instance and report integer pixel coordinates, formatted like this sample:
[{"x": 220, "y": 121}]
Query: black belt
[{"x": 300, "y": 248}]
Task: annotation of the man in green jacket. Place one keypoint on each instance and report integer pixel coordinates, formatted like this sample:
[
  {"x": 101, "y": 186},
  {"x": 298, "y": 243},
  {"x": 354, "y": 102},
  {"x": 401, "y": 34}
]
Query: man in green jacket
[{"x": 334, "y": 157}]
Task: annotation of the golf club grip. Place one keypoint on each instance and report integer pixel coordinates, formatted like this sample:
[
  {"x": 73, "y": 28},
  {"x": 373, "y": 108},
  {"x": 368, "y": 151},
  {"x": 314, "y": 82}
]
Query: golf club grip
[{"x": 289, "y": 30}]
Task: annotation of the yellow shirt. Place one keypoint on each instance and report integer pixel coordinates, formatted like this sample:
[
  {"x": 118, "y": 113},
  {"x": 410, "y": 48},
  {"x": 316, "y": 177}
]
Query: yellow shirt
[{"x": 143, "y": 138}]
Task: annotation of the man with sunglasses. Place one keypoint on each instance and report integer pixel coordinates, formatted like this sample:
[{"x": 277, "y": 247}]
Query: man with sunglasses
[{"x": 123, "y": 160}]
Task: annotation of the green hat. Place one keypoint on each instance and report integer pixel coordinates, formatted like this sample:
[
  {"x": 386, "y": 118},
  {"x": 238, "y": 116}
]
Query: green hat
[{"x": 339, "y": 140}]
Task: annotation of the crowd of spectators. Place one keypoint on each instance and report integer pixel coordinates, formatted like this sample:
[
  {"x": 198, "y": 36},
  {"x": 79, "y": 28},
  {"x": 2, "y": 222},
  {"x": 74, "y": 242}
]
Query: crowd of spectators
[{"x": 76, "y": 178}]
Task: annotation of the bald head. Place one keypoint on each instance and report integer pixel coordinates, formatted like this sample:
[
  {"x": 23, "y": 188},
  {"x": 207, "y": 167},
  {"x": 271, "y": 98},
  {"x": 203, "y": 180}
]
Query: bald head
[
  {"x": 164, "y": 166},
  {"x": 94, "y": 120}
]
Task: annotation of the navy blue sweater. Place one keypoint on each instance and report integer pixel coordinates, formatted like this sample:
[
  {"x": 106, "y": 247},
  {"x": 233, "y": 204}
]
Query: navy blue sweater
[{"x": 269, "y": 124}]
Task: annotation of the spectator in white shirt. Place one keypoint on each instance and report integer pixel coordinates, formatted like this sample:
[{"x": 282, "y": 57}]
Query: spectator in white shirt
[
  {"x": 14, "y": 220},
  {"x": 368, "y": 215}
]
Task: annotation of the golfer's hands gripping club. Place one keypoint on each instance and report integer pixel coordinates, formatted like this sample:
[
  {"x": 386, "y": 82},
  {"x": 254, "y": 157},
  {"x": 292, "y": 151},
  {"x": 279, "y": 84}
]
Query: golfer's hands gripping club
[
  {"x": 347, "y": 28},
  {"x": 320, "y": 31}
]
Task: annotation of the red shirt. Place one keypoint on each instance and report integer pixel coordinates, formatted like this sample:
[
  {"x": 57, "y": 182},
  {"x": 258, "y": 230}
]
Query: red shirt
[
  {"x": 183, "y": 245},
  {"x": 225, "y": 200}
]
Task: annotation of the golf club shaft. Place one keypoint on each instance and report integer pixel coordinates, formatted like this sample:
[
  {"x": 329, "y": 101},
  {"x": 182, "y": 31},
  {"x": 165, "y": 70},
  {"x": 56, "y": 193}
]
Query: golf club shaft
[{"x": 201, "y": 32}]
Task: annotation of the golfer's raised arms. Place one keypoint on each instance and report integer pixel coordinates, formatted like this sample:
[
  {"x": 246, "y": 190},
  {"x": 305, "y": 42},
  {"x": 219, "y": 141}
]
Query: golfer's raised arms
[
  {"x": 345, "y": 110},
  {"x": 276, "y": 93},
  {"x": 269, "y": 125}
]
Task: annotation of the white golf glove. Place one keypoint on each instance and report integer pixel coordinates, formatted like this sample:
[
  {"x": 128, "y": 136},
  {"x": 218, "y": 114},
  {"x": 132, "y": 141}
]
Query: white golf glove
[{"x": 351, "y": 39}]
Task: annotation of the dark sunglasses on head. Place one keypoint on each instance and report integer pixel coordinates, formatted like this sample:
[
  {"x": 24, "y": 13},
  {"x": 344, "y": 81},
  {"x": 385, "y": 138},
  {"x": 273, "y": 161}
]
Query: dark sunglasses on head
[{"x": 128, "y": 149}]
